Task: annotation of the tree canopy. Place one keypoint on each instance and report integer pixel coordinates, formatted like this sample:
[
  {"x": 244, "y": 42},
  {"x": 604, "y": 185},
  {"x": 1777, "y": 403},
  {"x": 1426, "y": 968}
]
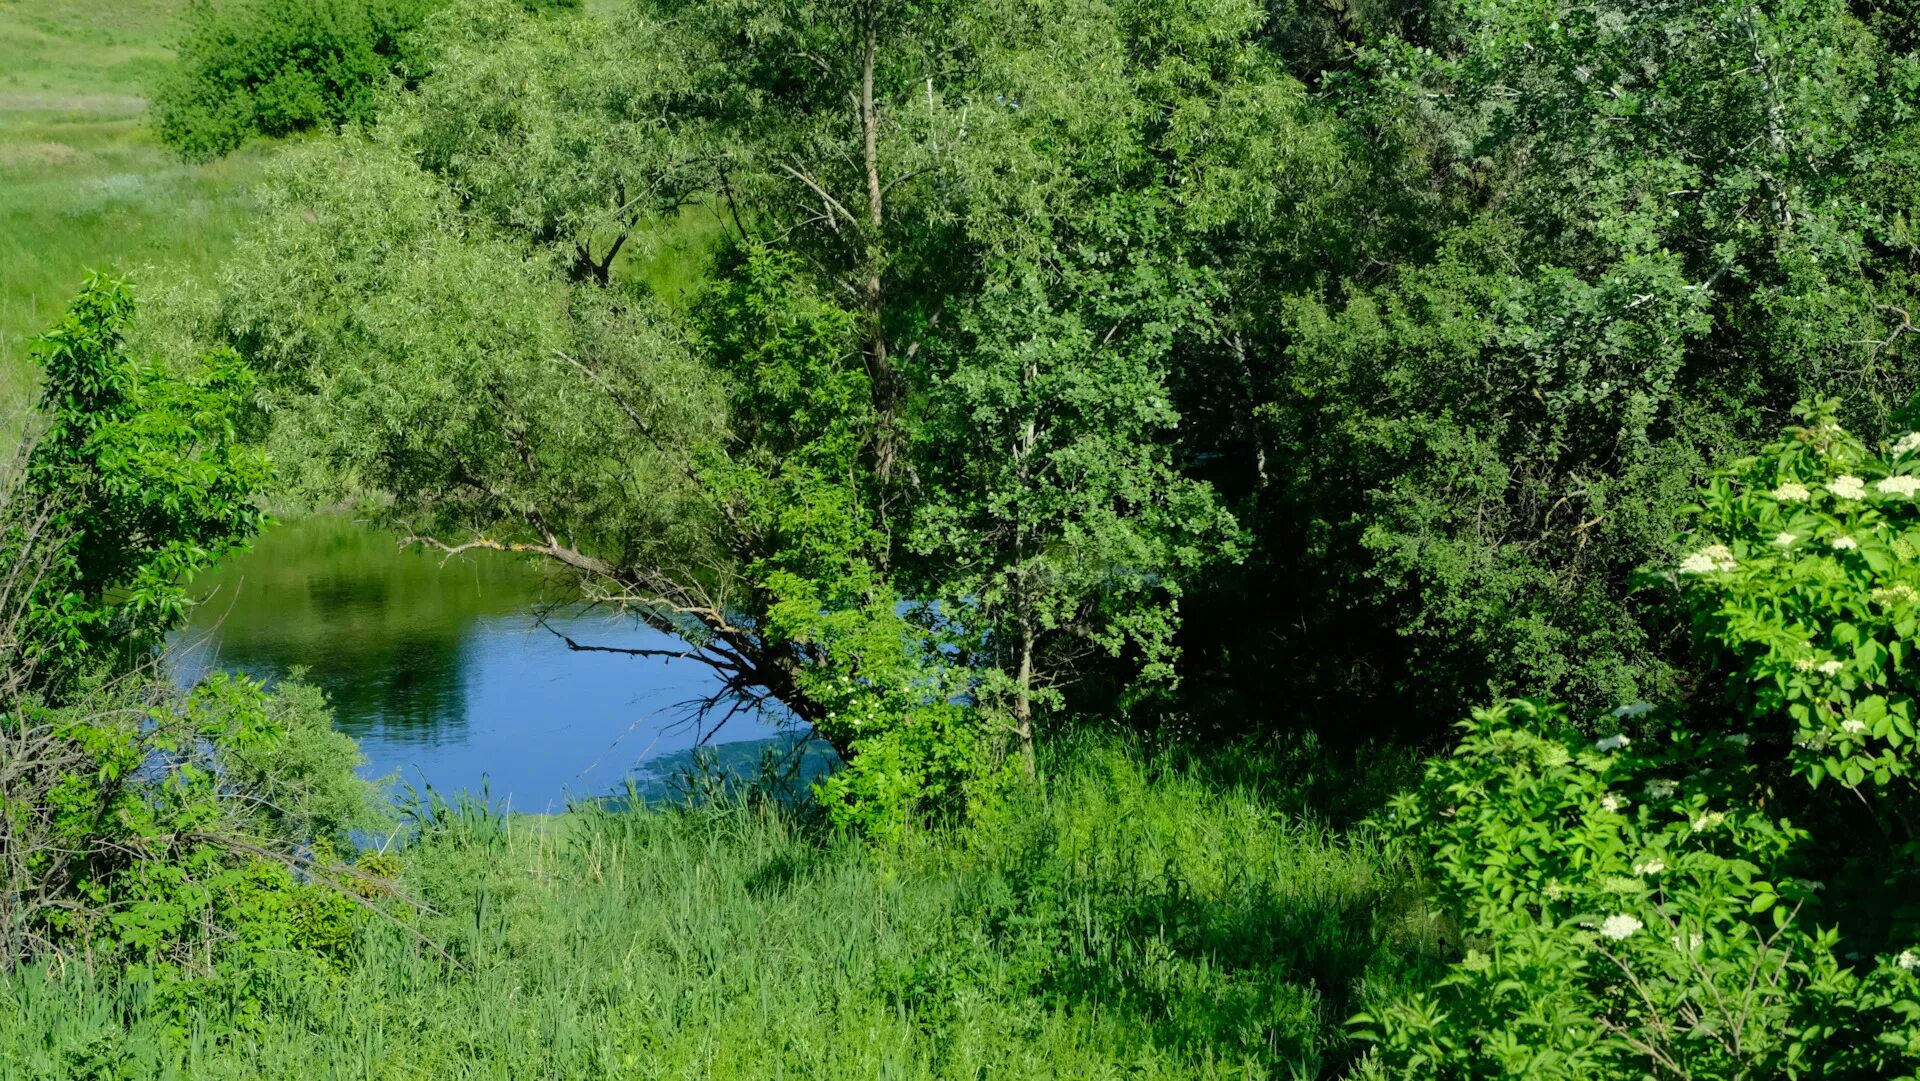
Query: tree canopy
[{"x": 923, "y": 361}]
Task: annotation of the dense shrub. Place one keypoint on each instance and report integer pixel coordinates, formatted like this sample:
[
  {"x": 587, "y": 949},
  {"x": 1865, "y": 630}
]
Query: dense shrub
[
  {"x": 139, "y": 478},
  {"x": 268, "y": 67},
  {"x": 276, "y": 67},
  {"x": 1719, "y": 895},
  {"x": 137, "y": 823},
  {"x": 1587, "y": 250},
  {"x": 181, "y": 832}
]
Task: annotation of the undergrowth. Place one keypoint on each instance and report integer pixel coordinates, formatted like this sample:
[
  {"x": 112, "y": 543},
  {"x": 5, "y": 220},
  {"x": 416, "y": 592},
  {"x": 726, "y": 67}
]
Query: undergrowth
[{"x": 1132, "y": 918}]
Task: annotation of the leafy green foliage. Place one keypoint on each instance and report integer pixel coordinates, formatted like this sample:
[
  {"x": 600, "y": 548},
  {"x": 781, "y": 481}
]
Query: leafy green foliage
[
  {"x": 250, "y": 68},
  {"x": 144, "y": 477},
  {"x": 1140, "y": 917},
  {"x": 1720, "y": 895},
  {"x": 267, "y": 67},
  {"x": 1583, "y": 250},
  {"x": 1627, "y": 912},
  {"x": 136, "y": 824},
  {"x": 799, "y": 464},
  {"x": 1806, "y": 578},
  {"x": 173, "y": 835},
  {"x": 149, "y": 866}
]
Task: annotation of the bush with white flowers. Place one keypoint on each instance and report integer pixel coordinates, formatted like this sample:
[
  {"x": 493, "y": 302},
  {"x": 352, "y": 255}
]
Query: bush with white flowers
[
  {"x": 1816, "y": 603},
  {"x": 1725, "y": 890}
]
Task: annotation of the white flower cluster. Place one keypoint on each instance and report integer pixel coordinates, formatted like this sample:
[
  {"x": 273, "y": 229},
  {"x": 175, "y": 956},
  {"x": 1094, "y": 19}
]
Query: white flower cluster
[
  {"x": 1661, "y": 788},
  {"x": 1612, "y": 802},
  {"x": 1620, "y": 926},
  {"x": 1694, "y": 942},
  {"x": 1634, "y": 709},
  {"x": 1611, "y": 743},
  {"x": 1792, "y": 493},
  {"x": 1844, "y": 544},
  {"x": 1906, "y": 444},
  {"x": 1854, "y": 725},
  {"x": 1903, "y": 486},
  {"x": 1908, "y": 960},
  {"x": 1896, "y": 594},
  {"x": 1784, "y": 540},
  {"x": 1831, "y": 668},
  {"x": 1848, "y": 486},
  {"x": 1649, "y": 867},
  {"x": 1714, "y": 557},
  {"x": 1707, "y": 821}
]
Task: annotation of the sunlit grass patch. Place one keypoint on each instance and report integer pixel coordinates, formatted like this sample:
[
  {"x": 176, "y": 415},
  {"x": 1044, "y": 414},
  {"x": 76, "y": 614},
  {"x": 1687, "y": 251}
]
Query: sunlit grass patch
[
  {"x": 83, "y": 182},
  {"x": 1135, "y": 919}
]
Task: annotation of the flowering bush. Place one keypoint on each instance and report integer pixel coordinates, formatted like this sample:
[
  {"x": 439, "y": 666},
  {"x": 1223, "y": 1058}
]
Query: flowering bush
[
  {"x": 1628, "y": 908},
  {"x": 1809, "y": 583},
  {"x": 1693, "y": 897}
]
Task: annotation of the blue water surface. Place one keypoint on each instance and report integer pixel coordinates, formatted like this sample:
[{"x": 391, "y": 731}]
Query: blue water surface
[{"x": 448, "y": 673}]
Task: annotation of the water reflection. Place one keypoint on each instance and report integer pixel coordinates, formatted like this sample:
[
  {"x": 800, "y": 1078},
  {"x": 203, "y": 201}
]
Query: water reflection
[{"x": 440, "y": 668}]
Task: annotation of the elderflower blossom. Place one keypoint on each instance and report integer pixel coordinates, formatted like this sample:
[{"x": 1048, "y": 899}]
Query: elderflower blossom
[
  {"x": 1898, "y": 594},
  {"x": 1649, "y": 867},
  {"x": 1784, "y": 540},
  {"x": 1854, "y": 725},
  {"x": 1694, "y": 942},
  {"x": 1707, "y": 821},
  {"x": 1714, "y": 557},
  {"x": 1831, "y": 668},
  {"x": 1908, "y": 960},
  {"x": 1620, "y": 926},
  {"x": 1612, "y": 802},
  {"x": 1848, "y": 486},
  {"x": 1906, "y": 444},
  {"x": 1792, "y": 493},
  {"x": 1612, "y": 743},
  {"x": 1905, "y": 486},
  {"x": 1661, "y": 788},
  {"x": 1844, "y": 544},
  {"x": 1634, "y": 709}
]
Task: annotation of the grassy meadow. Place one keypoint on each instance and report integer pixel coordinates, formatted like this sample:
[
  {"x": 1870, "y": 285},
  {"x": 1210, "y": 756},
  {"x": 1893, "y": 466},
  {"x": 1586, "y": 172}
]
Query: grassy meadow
[
  {"x": 84, "y": 182},
  {"x": 1143, "y": 917}
]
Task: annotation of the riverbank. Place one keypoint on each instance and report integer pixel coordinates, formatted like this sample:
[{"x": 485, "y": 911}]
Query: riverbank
[{"x": 1144, "y": 916}]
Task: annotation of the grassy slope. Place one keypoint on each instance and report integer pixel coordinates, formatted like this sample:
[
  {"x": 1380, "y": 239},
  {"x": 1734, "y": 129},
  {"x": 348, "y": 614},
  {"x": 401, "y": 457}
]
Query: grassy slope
[
  {"x": 1136, "y": 921},
  {"x": 83, "y": 182}
]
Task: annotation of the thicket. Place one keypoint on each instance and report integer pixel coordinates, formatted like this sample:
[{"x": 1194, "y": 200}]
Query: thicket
[
  {"x": 191, "y": 832},
  {"x": 250, "y": 68},
  {"x": 1051, "y": 358},
  {"x": 1717, "y": 894}
]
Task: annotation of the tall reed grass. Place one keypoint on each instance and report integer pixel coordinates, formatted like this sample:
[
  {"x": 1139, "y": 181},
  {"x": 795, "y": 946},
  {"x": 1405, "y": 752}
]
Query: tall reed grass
[{"x": 1134, "y": 917}]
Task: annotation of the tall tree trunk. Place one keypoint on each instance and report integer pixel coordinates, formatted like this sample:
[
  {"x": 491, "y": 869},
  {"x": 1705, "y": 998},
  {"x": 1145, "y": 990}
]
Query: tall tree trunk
[
  {"x": 879, "y": 363},
  {"x": 1023, "y": 698}
]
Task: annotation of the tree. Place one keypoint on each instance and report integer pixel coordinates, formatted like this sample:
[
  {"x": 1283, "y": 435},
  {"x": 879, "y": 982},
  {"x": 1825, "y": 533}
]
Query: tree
[
  {"x": 144, "y": 478},
  {"x": 732, "y": 461},
  {"x": 1586, "y": 249}
]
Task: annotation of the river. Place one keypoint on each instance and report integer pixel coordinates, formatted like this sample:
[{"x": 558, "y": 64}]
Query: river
[{"x": 441, "y": 668}]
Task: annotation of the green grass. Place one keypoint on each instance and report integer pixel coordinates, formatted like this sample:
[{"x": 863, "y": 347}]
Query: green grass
[
  {"x": 1139, "y": 920},
  {"x": 84, "y": 183}
]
